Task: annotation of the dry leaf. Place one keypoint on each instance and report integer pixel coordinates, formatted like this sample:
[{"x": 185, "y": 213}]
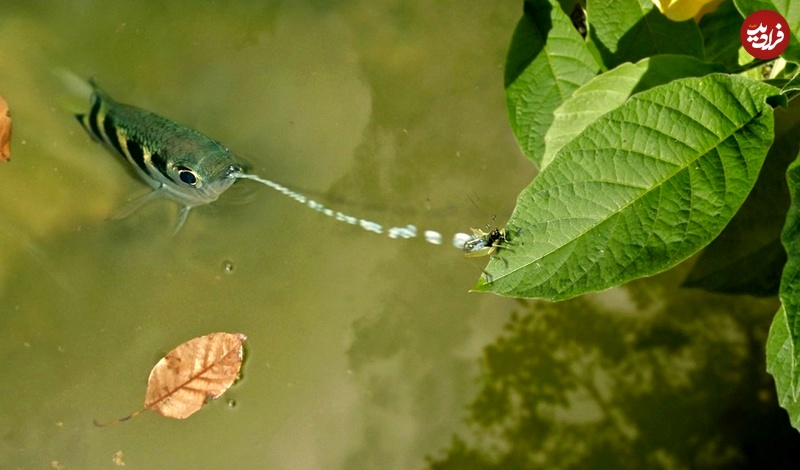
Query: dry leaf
[
  {"x": 187, "y": 376},
  {"x": 5, "y": 131},
  {"x": 196, "y": 370}
]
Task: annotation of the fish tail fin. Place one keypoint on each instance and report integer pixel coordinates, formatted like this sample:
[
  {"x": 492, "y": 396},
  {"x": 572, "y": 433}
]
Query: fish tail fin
[{"x": 79, "y": 94}]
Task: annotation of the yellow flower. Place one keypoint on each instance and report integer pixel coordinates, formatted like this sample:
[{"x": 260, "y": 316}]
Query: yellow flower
[{"x": 682, "y": 10}]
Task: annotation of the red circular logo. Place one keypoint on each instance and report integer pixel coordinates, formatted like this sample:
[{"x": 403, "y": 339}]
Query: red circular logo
[{"x": 765, "y": 34}]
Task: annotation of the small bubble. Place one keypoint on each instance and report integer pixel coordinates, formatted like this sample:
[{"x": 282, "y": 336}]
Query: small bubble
[
  {"x": 228, "y": 267},
  {"x": 231, "y": 403}
]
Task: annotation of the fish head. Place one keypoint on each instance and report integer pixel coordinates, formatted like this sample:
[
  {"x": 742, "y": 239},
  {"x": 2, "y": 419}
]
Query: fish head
[{"x": 202, "y": 180}]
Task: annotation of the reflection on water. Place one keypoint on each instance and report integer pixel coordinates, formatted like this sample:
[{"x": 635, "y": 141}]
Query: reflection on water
[
  {"x": 362, "y": 351},
  {"x": 663, "y": 379}
]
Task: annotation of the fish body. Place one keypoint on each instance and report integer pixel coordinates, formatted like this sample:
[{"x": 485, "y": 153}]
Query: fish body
[{"x": 179, "y": 163}]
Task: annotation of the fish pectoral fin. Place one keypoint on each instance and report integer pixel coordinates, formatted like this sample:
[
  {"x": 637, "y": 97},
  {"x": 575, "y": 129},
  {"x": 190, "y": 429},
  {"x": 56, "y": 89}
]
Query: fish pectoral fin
[
  {"x": 182, "y": 216},
  {"x": 132, "y": 206}
]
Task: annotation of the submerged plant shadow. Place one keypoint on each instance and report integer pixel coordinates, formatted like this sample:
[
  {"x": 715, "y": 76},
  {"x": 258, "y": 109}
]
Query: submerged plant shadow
[{"x": 646, "y": 383}]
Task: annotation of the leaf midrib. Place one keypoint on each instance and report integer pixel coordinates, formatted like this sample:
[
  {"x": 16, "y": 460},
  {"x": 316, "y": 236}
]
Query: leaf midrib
[
  {"x": 645, "y": 193},
  {"x": 191, "y": 379}
]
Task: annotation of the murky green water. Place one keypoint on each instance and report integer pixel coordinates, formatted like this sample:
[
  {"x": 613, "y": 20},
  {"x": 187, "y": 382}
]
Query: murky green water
[{"x": 363, "y": 352}]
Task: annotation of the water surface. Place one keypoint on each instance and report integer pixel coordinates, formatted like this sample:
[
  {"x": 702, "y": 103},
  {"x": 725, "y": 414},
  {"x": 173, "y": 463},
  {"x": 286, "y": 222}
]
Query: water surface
[{"x": 362, "y": 352}]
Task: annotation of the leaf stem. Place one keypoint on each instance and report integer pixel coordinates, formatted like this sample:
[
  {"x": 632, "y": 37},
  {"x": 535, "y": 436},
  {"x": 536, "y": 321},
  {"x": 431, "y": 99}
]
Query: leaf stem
[
  {"x": 116, "y": 421},
  {"x": 748, "y": 66}
]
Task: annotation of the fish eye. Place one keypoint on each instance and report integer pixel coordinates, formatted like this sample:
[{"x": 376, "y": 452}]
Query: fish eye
[{"x": 187, "y": 176}]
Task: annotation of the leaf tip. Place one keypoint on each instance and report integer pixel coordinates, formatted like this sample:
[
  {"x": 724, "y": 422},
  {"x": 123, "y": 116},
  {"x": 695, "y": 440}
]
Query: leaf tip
[{"x": 481, "y": 286}]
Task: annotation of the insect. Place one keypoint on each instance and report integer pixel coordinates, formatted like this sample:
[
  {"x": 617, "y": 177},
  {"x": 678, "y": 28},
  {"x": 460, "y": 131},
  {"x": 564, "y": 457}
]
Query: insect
[{"x": 484, "y": 243}]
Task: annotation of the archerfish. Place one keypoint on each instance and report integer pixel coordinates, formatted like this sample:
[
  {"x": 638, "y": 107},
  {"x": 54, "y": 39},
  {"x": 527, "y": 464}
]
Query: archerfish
[{"x": 179, "y": 163}]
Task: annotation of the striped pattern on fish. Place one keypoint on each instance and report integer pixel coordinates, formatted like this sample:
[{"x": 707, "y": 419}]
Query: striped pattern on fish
[{"x": 179, "y": 163}]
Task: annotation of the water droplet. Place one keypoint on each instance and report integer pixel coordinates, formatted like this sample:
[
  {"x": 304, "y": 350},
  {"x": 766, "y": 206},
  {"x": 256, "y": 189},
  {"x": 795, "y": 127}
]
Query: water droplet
[
  {"x": 408, "y": 231},
  {"x": 459, "y": 239},
  {"x": 228, "y": 266},
  {"x": 231, "y": 403},
  {"x": 433, "y": 237}
]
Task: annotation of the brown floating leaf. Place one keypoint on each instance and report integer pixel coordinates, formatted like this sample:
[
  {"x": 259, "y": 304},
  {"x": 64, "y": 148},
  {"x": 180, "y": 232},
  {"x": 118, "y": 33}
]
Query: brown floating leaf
[
  {"x": 5, "y": 131},
  {"x": 187, "y": 376}
]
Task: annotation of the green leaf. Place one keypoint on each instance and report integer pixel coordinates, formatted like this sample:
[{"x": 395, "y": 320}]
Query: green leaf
[
  {"x": 547, "y": 61},
  {"x": 638, "y": 191},
  {"x": 630, "y": 30},
  {"x": 782, "y": 365},
  {"x": 609, "y": 90},
  {"x": 790, "y": 281},
  {"x": 792, "y": 85},
  {"x": 748, "y": 257},
  {"x": 784, "y": 7},
  {"x": 721, "y": 39}
]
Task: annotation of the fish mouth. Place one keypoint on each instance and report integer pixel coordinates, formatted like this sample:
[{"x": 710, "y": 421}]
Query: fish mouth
[
  {"x": 232, "y": 172},
  {"x": 219, "y": 182}
]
